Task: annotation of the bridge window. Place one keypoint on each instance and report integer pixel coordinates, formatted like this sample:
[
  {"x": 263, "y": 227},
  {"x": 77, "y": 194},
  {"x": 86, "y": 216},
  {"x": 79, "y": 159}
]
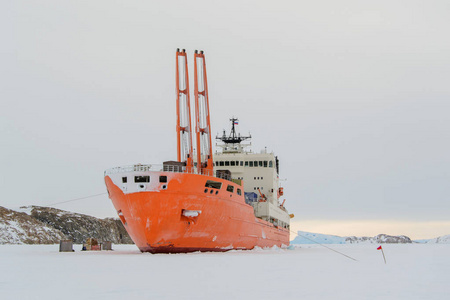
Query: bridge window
[
  {"x": 227, "y": 163},
  {"x": 239, "y": 192},
  {"x": 230, "y": 188},
  {"x": 141, "y": 178},
  {"x": 255, "y": 163},
  {"x": 246, "y": 163},
  {"x": 213, "y": 184},
  {"x": 265, "y": 164},
  {"x": 222, "y": 163},
  {"x": 124, "y": 180},
  {"x": 241, "y": 163},
  {"x": 233, "y": 163},
  {"x": 162, "y": 178},
  {"x": 270, "y": 164},
  {"x": 251, "y": 163},
  {"x": 260, "y": 163}
]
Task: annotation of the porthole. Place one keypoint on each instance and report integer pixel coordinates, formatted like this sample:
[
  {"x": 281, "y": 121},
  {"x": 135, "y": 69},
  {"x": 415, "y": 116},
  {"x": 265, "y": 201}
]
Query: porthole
[
  {"x": 211, "y": 192},
  {"x": 164, "y": 186},
  {"x": 206, "y": 190},
  {"x": 217, "y": 192}
]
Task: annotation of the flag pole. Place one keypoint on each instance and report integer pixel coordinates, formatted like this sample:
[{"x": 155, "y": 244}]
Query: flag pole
[{"x": 384, "y": 257}]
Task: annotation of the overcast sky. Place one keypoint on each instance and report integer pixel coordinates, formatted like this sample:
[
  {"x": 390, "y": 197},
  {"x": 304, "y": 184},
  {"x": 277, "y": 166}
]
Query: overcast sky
[{"x": 353, "y": 96}]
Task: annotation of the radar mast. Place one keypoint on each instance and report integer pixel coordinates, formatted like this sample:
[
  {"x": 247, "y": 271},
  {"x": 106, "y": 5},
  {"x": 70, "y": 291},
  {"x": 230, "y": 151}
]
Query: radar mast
[{"x": 232, "y": 142}]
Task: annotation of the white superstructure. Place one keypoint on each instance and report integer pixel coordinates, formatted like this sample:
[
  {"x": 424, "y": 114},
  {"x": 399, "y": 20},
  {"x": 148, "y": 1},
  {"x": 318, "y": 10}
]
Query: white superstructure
[{"x": 258, "y": 174}]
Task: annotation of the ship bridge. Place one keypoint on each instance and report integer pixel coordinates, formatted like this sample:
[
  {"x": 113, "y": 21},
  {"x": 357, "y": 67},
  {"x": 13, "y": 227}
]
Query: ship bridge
[{"x": 256, "y": 172}]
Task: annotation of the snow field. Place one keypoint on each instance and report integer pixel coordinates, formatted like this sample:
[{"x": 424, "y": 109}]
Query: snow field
[{"x": 413, "y": 271}]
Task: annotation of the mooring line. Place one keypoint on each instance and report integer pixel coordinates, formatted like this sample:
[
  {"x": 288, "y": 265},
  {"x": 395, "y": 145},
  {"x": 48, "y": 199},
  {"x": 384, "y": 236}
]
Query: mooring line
[
  {"x": 324, "y": 245},
  {"x": 77, "y": 199}
]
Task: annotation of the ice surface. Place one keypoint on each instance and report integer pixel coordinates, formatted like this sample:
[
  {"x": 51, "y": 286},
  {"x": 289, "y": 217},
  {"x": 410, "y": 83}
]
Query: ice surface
[
  {"x": 304, "y": 237},
  {"x": 413, "y": 271}
]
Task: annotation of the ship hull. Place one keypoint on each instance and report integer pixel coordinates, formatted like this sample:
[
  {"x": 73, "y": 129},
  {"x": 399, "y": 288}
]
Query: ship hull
[{"x": 183, "y": 215}]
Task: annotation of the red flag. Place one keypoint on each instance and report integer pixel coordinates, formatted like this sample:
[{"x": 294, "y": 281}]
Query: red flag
[{"x": 379, "y": 248}]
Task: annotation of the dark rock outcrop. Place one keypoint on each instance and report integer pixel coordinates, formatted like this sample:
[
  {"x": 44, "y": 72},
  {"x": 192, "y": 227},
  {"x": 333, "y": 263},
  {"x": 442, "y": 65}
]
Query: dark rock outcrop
[
  {"x": 379, "y": 239},
  {"x": 79, "y": 227},
  {"x": 20, "y": 228}
]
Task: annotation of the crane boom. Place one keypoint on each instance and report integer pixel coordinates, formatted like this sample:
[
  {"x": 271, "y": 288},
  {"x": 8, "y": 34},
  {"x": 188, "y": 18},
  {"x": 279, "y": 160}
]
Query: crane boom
[
  {"x": 203, "y": 124},
  {"x": 184, "y": 133}
]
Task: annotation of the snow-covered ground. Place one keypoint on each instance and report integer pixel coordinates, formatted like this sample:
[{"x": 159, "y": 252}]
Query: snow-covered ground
[{"x": 413, "y": 271}]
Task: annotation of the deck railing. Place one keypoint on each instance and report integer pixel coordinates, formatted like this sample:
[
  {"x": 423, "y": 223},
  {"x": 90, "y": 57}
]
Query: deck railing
[
  {"x": 134, "y": 168},
  {"x": 152, "y": 167},
  {"x": 159, "y": 168}
]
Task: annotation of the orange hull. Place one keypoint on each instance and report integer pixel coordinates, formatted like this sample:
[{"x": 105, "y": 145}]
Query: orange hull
[{"x": 157, "y": 221}]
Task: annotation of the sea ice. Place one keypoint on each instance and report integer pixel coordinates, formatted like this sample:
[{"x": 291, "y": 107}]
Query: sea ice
[{"x": 413, "y": 271}]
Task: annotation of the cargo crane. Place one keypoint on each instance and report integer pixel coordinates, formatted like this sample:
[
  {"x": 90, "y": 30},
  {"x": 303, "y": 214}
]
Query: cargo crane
[
  {"x": 203, "y": 124},
  {"x": 184, "y": 133}
]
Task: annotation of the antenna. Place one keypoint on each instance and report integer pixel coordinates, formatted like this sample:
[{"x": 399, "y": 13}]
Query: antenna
[{"x": 233, "y": 138}]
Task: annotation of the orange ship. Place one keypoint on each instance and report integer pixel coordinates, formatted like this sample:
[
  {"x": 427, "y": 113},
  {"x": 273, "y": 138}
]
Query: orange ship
[{"x": 231, "y": 202}]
